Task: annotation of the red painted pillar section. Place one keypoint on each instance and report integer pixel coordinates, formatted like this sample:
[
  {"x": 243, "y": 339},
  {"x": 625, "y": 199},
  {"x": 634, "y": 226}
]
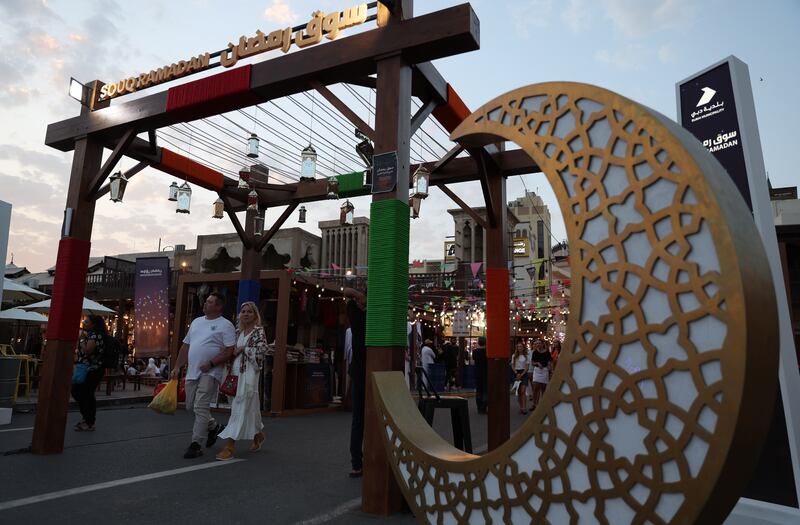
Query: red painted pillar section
[{"x": 66, "y": 302}]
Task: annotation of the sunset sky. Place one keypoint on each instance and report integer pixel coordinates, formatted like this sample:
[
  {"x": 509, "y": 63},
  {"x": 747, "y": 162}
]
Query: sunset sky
[{"x": 637, "y": 48}]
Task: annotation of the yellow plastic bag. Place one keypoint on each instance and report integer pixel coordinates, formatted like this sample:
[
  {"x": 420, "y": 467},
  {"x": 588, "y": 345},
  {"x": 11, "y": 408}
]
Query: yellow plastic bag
[{"x": 166, "y": 402}]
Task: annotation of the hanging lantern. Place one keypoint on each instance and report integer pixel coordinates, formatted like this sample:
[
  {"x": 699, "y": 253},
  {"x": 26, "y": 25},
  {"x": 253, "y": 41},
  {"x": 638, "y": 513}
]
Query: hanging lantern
[
  {"x": 368, "y": 177},
  {"x": 333, "y": 188},
  {"x": 117, "y": 183},
  {"x": 244, "y": 177},
  {"x": 346, "y": 213},
  {"x": 173, "y": 191},
  {"x": 258, "y": 225},
  {"x": 302, "y": 211},
  {"x": 415, "y": 202},
  {"x": 365, "y": 149},
  {"x": 308, "y": 163},
  {"x": 219, "y": 209},
  {"x": 421, "y": 180},
  {"x": 252, "y": 200},
  {"x": 252, "y": 146},
  {"x": 184, "y": 198}
]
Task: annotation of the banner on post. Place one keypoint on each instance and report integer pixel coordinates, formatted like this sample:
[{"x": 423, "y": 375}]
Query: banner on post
[{"x": 151, "y": 329}]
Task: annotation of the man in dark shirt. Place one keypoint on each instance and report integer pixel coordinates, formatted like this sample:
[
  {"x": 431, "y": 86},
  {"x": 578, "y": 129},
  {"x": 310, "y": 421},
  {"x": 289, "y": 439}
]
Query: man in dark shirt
[
  {"x": 357, "y": 315},
  {"x": 481, "y": 374}
]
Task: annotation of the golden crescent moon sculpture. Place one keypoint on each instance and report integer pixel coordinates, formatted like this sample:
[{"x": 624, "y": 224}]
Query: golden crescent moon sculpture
[{"x": 666, "y": 382}]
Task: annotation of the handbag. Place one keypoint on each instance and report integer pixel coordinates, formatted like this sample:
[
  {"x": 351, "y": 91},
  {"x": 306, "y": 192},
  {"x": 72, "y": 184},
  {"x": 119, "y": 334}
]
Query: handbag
[
  {"x": 229, "y": 385},
  {"x": 515, "y": 386},
  {"x": 79, "y": 373}
]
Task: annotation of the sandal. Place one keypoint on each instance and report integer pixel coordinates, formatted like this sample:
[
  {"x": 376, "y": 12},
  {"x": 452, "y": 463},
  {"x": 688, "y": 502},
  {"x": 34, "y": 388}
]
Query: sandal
[{"x": 356, "y": 473}]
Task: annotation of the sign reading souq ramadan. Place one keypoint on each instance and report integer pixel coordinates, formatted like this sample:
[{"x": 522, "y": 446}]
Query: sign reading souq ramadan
[
  {"x": 311, "y": 33},
  {"x": 708, "y": 110}
]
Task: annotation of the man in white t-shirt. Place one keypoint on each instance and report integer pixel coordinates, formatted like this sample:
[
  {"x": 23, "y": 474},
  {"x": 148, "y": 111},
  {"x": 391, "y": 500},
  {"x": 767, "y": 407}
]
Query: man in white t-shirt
[{"x": 207, "y": 347}]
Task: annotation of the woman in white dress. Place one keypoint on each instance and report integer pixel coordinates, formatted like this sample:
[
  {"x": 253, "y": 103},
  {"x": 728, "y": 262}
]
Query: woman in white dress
[{"x": 251, "y": 347}]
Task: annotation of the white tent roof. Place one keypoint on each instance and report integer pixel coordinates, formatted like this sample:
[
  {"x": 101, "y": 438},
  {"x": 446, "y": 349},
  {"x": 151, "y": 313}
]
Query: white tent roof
[
  {"x": 19, "y": 292},
  {"x": 89, "y": 307},
  {"x": 18, "y": 314}
]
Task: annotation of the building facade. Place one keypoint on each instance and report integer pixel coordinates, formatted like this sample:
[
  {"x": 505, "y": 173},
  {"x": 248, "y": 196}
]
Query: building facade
[{"x": 345, "y": 246}]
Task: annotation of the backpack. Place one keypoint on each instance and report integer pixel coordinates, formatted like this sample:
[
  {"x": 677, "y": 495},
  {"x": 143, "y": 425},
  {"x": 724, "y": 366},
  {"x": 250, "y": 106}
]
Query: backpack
[{"x": 112, "y": 353}]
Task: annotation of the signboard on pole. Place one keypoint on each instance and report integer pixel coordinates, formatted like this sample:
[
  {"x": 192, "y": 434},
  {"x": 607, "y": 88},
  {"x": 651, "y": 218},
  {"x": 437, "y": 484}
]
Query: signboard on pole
[
  {"x": 716, "y": 105},
  {"x": 384, "y": 172},
  {"x": 152, "y": 307}
]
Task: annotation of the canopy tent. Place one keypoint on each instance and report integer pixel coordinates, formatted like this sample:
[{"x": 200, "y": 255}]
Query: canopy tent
[
  {"x": 89, "y": 307},
  {"x": 13, "y": 291},
  {"x": 18, "y": 314}
]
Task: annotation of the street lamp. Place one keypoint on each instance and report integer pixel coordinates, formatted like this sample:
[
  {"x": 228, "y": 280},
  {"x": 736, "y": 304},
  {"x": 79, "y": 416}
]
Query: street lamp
[
  {"x": 333, "y": 188},
  {"x": 252, "y": 201},
  {"x": 78, "y": 91},
  {"x": 173, "y": 191},
  {"x": 415, "y": 203},
  {"x": 421, "y": 181},
  {"x": 184, "y": 198},
  {"x": 219, "y": 208},
  {"x": 302, "y": 211},
  {"x": 308, "y": 163},
  {"x": 244, "y": 177},
  {"x": 258, "y": 225},
  {"x": 346, "y": 213},
  {"x": 252, "y": 146},
  {"x": 117, "y": 183}
]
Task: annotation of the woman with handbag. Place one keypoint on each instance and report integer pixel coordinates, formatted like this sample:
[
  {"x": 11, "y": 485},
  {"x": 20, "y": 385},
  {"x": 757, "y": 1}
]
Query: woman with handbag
[
  {"x": 88, "y": 370},
  {"x": 520, "y": 365},
  {"x": 242, "y": 380}
]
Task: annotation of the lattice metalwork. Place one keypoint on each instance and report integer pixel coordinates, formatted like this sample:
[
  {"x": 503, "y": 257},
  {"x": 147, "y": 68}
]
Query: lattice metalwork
[{"x": 666, "y": 380}]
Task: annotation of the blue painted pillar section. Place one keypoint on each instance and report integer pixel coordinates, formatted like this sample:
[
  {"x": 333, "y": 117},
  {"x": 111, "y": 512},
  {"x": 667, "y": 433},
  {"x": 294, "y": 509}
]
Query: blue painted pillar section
[{"x": 249, "y": 290}]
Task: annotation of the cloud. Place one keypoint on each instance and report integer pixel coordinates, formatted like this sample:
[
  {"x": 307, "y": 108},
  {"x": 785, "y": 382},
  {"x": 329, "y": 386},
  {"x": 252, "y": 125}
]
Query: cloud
[
  {"x": 666, "y": 54},
  {"x": 28, "y": 10},
  {"x": 577, "y": 15},
  {"x": 279, "y": 12},
  {"x": 630, "y": 56},
  {"x": 636, "y": 18},
  {"x": 534, "y": 13}
]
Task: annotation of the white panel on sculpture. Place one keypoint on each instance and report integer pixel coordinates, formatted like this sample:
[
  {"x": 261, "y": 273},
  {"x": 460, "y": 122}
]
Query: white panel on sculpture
[
  {"x": 532, "y": 104},
  {"x": 618, "y": 512},
  {"x": 681, "y": 389},
  {"x": 703, "y": 252},
  {"x": 586, "y": 511},
  {"x": 599, "y": 134},
  {"x": 668, "y": 505},
  {"x": 707, "y": 333},
  {"x": 584, "y": 373},
  {"x": 695, "y": 454},
  {"x": 642, "y": 170},
  {"x": 492, "y": 487},
  {"x": 707, "y": 419},
  {"x": 655, "y": 306},
  {"x": 632, "y": 357},
  {"x": 659, "y": 195},
  {"x": 615, "y": 180},
  {"x": 588, "y": 107},
  {"x": 674, "y": 426},
  {"x": 626, "y": 213},
  {"x": 557, "y": 513},
  {"x": 527, "y": 457},
  {"x": 670, "y": 473},
  {"x": 688, "y": 302},
  {"x": 637, "y": 248},
  {"x": 578, "y": 475},
  {"x": 565, "y": 124},
  {"x": 626, "y": 436},
  {"x": 495, "y": 515},
  {"x": 619, "y": 148},
  {"x": 595, "y": 302},
  {"x": 596, "y": 230},
  {"x": 640, "y": 493},
  {"x": 711, "y": 371},
  {"x": 569, "y": 181}
]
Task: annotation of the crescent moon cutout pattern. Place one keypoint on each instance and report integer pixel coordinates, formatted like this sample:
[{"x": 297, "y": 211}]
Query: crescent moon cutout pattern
[{"x": 643, "y": 418}]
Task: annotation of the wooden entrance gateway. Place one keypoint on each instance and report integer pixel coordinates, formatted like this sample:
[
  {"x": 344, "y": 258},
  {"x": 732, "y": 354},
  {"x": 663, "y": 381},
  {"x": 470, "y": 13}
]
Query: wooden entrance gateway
[{"x": 395, "y": 59}]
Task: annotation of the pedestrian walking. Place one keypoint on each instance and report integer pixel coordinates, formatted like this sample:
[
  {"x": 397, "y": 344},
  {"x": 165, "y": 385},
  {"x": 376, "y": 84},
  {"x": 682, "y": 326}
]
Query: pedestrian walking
[
  {"x": 251, "y": 347},
  {"x": 541, "y": 362},
  {"x": 428, "y": 358},
  {"x": 206, "y": 348},
  {"x": 357, "y": 316},
  {"x": 520, "y": 365},
  {"x": 481, "y": 374},
  {"x": 89, "y": 370}
]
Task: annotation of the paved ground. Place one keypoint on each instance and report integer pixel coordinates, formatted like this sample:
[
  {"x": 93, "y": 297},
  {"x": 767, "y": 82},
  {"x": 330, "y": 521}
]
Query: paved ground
[{"x": 300, "y": 476}]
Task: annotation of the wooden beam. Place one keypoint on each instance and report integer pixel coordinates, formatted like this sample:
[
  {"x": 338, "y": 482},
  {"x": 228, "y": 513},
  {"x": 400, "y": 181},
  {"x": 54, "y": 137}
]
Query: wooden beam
[
  {"x": 276, "y": 226},
  {"x": 464, "y": 206},
  {"x": 420, "y": 39},
  {"x": 486, "y": 168},
  {"x": 427, "y": 77},
  {"x": 343, "y": 108},
  {"x": 128, "y": 175},
  {"x": 111, "y": 161},
  {"x": 246, "y": 240},
  {"x": 450, "y": 155},
  {"x": 153, "y": 140},
  {"x": 422, "y": 113}
]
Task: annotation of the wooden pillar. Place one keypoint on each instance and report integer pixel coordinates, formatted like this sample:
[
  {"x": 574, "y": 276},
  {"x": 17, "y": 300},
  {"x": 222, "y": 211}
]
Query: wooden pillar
[
  {"x": 66, "y": 301},
  {"x": 497, "y": 309},
  {"x": 250, "y": 281},
  {"x": 279, "y": 360},
  {"x": 181, "y": 303},
  {"x": 380, "y": 492}
]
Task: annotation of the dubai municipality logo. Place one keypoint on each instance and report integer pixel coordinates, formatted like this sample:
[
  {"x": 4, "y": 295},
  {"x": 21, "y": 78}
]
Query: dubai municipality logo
[{"x": 708, "y": 94}]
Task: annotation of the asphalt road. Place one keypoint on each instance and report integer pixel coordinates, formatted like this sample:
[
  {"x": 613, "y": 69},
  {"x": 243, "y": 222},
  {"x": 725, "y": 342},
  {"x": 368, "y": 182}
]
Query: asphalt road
[{"x": 299, "y": 476}]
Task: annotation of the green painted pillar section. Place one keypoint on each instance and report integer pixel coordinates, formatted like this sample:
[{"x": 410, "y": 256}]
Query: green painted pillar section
[{"x": 387, "y": 293}]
